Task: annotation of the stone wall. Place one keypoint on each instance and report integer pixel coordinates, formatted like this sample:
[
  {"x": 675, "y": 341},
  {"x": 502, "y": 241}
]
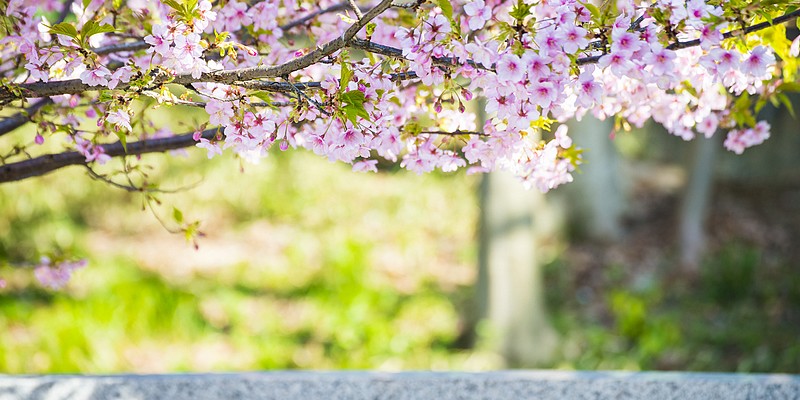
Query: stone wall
[{"x": 542, "y": 385}]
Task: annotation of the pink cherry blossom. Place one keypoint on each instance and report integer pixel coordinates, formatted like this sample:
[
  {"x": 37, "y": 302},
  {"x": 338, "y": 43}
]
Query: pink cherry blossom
[
  {"x": 661, "y": 60},
  {"x": 510, "y": 68},
  {"x": 478, "y": 13},
  {"x": 366, "y": 166},
  {"x": 120, "y": 119},
  {"x": 160, "y": 40},
  {"x": 574, "y": 39},
  {"x": 740, "y": 139},
  {"x": 95, "y": 77},
  {"x": 617, "y": 63},
  {"x": 561, "y": 137},
  {"x": 710, "y": 36},
  {"x": 122, "y": 74},
  {"x": 757, "y": 62}
]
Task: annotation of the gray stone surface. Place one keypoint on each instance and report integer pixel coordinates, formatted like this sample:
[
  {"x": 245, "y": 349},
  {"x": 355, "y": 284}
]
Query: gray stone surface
[{"x": 406, "y": 386}]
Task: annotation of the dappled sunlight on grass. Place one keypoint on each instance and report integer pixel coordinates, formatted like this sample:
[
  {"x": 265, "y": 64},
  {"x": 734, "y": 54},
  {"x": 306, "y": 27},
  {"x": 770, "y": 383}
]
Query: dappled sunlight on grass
[{"x": 304, "y": 264}]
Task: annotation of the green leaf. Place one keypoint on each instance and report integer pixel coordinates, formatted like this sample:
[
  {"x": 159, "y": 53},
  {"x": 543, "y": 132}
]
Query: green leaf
[
  {"x": 354, "y": 97},
  {"x": 105, "y": 96},
  {"x": 177, "y": 215},
  {"x": 173, "y": 4},
  {"x": 91, "y": 28},
  {"x": 447, "y": 8},
  {"x": 123, "y": 138},
  {"x": 66, "y": 29},
  {"x": 592, "y": 9},
  {"x": 520, "y": 11},
  {"x": 789, "y": 87},
  {"x": 354, "y": 105},
  {"x": 191, "y": 5},
  {"x": 262, "y": 95},
  {"x": 371, "y": 29},
  {"x": 346, "y": 73},
  {"x": 784, "y": 99}
]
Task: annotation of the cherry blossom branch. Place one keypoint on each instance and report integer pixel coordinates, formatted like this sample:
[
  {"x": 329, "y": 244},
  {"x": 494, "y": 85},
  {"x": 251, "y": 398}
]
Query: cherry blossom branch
[
  {"x": 727, "y": 35},
  {"x": 301, "y": 95},
  {"x": 74, "y": 86},
  {"x": 750, "y": 29},
  {"x": 50, "y": 162},
  {"x": 200, "y": 104},
  {"x": 236, "y": 76}
]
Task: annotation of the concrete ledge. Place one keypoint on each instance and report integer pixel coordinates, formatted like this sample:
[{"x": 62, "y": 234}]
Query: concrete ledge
[{"x": 405, "y": 385}]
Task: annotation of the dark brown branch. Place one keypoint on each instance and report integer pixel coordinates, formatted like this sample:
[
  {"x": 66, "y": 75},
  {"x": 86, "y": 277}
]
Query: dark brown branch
[
  {"x": 457, "y": 132},
  {"x": 50, "y": 162},
  {"x": 21, "y": 118},
  {"x": 398, "y": 53},
  {"x": 286, "y": 88}
]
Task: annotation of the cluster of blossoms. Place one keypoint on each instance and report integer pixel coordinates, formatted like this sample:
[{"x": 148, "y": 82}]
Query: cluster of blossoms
[
  {"x": 536, "y": 66},
  {"x": 740, "y": 139}
]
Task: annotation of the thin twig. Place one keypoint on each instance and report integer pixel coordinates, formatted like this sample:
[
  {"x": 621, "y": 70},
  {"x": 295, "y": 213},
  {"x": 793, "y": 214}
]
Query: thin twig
[
  {"x": 64, "y": 12},
  {"x": 301, "y": 95},
  {"x": 354, "y": 7},
  {"x": 131, "y": 187}
]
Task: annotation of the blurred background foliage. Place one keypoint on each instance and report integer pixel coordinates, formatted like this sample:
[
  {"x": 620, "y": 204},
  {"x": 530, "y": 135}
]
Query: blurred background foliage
[{"x": 305, "y": 264}]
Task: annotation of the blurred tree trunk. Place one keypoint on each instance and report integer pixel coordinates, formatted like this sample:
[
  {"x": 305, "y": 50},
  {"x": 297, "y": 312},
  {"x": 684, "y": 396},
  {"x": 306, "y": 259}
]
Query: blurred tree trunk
[
  {"x": 521, "y": 230},
  {"x": 516, "y": 225},
  {"x": 696, "y": 199},
  {"x": 596, "y": 197}
]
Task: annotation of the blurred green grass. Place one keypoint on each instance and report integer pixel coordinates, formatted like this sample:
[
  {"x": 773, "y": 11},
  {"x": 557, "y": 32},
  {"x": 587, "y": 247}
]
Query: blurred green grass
[{"x": 305, "y": 264}]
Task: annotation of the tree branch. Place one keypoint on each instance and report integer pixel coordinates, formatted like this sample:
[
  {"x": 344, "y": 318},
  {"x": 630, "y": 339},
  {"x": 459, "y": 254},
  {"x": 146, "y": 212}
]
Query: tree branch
[
  {"x": 749, "y": 29},
  {"x": 457, "y": 132},
  {"x": 21, "y": 118},
  {"x": 50, "y": 162},
  {"x": 286, "y": 88},
  {"x": 398, "y": 53}
]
